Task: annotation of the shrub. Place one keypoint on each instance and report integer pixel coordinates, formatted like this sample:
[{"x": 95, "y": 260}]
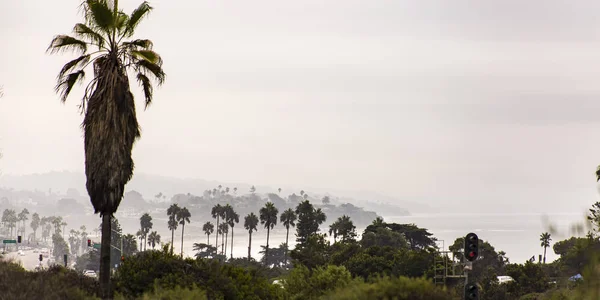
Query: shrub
[
  {"x": 301, "y": 283},
  {"x": 386, "y": 288}
]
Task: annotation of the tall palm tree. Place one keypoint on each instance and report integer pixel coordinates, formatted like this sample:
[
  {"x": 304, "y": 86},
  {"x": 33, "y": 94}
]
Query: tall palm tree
[
  {"x": 231, "y": 218},
  {"x": 182, "y": 217},
  {"x": 334, "y": 230},
  {"x": 35, "y": 224},
  {"x": 208, "y": 229},
  {"x": 268, "y": 218},
  {"x": 223, "y": 229},
  {"x": 288, "y": 219},
  {"x": 110, "y": 124},
  {"x": 146, "y": 226},
  {"x": 140, "y": 235},
  {"x": 250, "y": 223},
  {"x": 23, "y": 217},
  {"x": 545, "y": 242},
  {"x": 172, "y": 212},
  {"x": 153, "y": 239},
  {"x": 216, "y": 213}
]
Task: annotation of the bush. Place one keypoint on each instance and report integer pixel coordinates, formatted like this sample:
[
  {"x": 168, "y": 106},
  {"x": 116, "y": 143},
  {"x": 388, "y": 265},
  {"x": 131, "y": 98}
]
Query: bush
[
  {"x": 144, "y": 271},
  {"x": 54, "y": 283},
  {"x": 400, "y": 288},
  {"x": 301, "y": 283},
  {"x": 178, "y": 293}
]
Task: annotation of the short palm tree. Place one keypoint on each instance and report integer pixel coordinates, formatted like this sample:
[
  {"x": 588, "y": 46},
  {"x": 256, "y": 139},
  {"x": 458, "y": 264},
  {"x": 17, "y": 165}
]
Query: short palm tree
[
  {"x": 172, "y": 212},
  {"x": 288, "y": 219},
  {"x": 110, "y": 126},
  {"x": 183, "y": 217},
  {"x": 545, "y": 242},
  {"x": 223, "y": 230},
  {"x": 208, "y": 229},
  {"x": 153, "y": 239},
  {"x": 145, "y": 226},
  {"x": 268, "y": 218},
  {"x": 250, "y": 223}
]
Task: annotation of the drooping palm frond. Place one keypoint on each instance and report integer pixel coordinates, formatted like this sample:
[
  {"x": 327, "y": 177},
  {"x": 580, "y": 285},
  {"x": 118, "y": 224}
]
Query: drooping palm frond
[
  {"x": 84, "y": 32},
  {"x": 67, "y": 82},
  {"x": 136, "y": 16},
  {"x": 61, "y": 43}
]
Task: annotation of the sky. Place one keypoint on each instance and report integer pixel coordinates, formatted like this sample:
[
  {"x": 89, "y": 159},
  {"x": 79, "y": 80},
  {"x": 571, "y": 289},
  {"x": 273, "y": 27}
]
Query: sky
[{"x": 474, "y": 105}]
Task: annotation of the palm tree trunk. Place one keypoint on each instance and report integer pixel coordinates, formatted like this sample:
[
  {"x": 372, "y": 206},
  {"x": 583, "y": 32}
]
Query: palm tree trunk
[
  {"x": 145, "y": 242},
  {"x": 222, "y": 244},
  {"x": 544, "y": 254},
  {"x": 226, "y": 239},
  {"x": 267, "y": 249},
  {"x": 287, "y": 234},
  {"x": 105, "y": 291},
  {"x": 182, "y": 230},
  {"x": 217, "y": 236},
  {"x": 231, "y": 252},
  {"x": 172, "y": 239},
  {"x": 249, "y": 245},
  {"x": 208, "y": 239}
]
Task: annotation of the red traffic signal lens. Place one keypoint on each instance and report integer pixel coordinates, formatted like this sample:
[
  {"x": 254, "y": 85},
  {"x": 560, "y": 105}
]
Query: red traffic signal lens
[
  {"x": 122, "y": 258},
  {"x": 472, "y": 254}
]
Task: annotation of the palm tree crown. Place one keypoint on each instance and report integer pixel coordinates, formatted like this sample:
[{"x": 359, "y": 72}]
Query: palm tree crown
[{"x": 104, "y": 41}]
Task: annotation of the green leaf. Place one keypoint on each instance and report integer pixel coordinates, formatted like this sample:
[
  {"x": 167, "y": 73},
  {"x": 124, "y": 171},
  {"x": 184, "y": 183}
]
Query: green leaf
[
  {"x": 64, "y": 42},
  {"x": 100, "y": 14},
  {"x": 80, "y": 61},
  {"x": 144, "y": 44},
  {"x": 122, "y": 21},
  {"x": 84, "y": 32},
  {"x": 148, "y": 55},
  {"x": 136, "y": 16},
  {"x": 65, "y": 85},
  {"x": 144, "y": 81}
]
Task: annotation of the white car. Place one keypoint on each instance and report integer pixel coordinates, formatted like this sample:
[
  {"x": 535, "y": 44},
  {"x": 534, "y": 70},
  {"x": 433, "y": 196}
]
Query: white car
[{"x": 90, "y": 273}]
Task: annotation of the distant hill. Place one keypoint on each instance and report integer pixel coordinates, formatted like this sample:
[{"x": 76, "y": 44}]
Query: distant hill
[{"x": 152, "y": 185}]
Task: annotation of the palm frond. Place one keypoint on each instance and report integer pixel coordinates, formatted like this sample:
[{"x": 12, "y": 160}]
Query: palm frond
[
  {"x": 136, "y": 16},
  {"x": 100, "y": 15},
  {"x": 148, "y": 55},
  {"x": 85, "y": 32},
  {"x": 64, "y": 42},
  {"x": 122, "y": 21},
  {"x": 144, "y": 81},
  {"x": 146, "y": 67},
  {"x": 68, "y": 67},
  {"x": 65, "y": 85},
  {"x": 139, "y": 43}
]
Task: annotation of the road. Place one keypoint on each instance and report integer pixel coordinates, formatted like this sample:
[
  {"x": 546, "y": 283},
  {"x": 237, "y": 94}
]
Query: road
[{"x": 29, "y": 260}]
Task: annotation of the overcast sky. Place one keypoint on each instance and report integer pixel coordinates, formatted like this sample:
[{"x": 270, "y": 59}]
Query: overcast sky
[{"x": 448, "y": 101}]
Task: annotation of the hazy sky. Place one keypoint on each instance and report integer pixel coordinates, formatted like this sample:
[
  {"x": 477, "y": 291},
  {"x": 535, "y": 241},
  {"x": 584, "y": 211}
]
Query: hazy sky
[{"x": 440, "y": 101}]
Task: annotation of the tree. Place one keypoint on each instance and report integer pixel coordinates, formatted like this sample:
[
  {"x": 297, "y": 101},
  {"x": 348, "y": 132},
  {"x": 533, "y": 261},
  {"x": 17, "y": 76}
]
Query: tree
[
  {"x": 216, "y": 212},
  {"x": 223, "y": 229},
  {"x": 279, "y": 190},
  {"x": 140, "y": 235},
  {"x": 250, "y": 223},
  {"x": 545, "y": 242},
  {"x": 268, "y": 218},
  {"x": 35, "y": 223},
  {"x": 231, "y": 218},
  {"x": 153, "y": 239},
  {"x": 208, "y": 229},
  {"x": 183, "y": 216},
  {"x": 326, "y": 200},
  {"x": 252, "y": 190},
  {"x": 309, "y": 220},
  {"x": 145, "y": 226},
  {"x": 172, "y": 212},
  {"x": 23, "y": 217},
  {"x": 110, "y": 124},
  {"x": 288, "y": 219}
]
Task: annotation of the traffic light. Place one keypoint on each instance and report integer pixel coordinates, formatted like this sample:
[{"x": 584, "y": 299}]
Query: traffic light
[
  {"x": 65, "y": 258},
  {"x": 41, "y": 257},
  {"x": 122, "y": 258},
  {"x": 471, "y": 291},
  {"x": 471, "y": 247},
  {"x": 89, "y": 243},
  {"x": 19, "y": 239}
]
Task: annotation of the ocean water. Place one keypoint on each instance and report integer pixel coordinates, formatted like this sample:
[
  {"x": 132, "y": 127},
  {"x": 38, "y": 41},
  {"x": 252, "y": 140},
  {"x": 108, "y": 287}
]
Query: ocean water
[{"x": 516, "y": 234}]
